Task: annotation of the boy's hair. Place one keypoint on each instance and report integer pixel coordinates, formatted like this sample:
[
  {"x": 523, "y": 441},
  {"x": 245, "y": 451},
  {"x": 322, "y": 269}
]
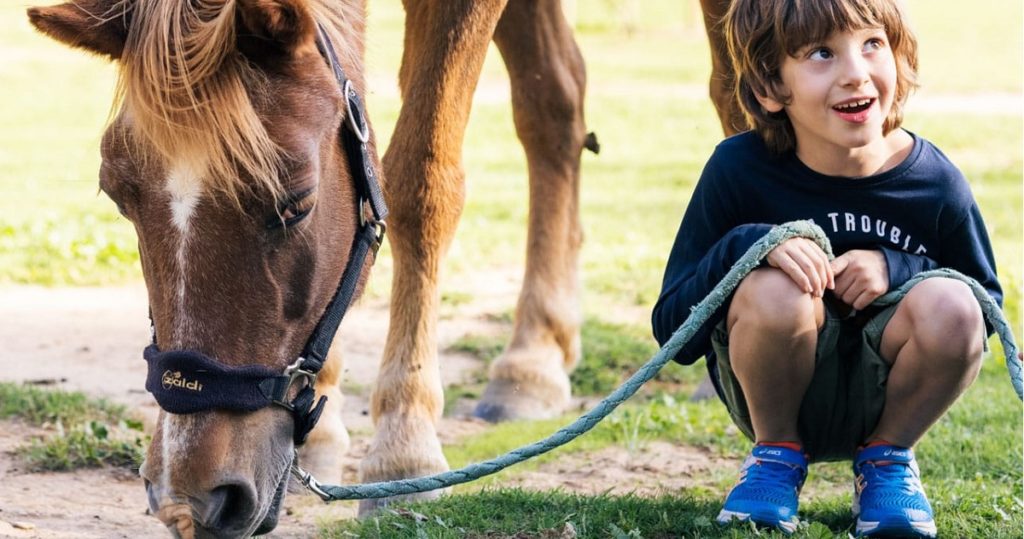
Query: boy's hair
[{"x": 760, "y": 33}]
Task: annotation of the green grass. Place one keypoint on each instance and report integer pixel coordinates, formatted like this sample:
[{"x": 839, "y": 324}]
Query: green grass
[
  {"x": 82, "y": 432},
  {"x": 524, "y": 514},
  {"x": 88, "y": 445},
  {"x": 971, "y": 462},
  {"x": 41, "y": 406},
  {"x": 611, "y": 354}
]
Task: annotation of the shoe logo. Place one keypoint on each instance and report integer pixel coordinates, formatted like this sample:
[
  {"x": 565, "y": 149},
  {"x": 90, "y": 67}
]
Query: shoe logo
[
  {"x": 894, "y": 452},
  {"x": 773, "y": 452},
  {"x": 175, "y": 379}
]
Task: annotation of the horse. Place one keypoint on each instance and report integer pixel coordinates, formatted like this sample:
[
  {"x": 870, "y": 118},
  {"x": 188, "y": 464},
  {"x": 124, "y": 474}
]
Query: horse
[{"x": 223, "y": 152}]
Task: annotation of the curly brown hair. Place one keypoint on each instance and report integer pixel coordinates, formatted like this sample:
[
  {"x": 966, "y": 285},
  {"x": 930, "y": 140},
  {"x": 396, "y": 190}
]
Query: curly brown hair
[{"x": 761, "y": 33}]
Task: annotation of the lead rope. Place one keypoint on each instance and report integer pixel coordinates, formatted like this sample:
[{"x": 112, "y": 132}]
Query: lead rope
[{"x": 698, "y": 317}]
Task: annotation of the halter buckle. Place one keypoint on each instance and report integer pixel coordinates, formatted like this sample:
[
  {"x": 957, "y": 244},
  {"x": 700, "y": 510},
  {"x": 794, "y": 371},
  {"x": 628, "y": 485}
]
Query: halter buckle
[
  {"x": 295, "y": 372},
  {"x": 382, "y": 229},
  {"x": 380, "y": 226}
]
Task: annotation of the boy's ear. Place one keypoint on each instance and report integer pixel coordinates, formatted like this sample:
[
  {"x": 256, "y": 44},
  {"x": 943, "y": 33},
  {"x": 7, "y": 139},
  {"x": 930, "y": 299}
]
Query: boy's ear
[
  {"x": 93, "y": 25},
  {"x": 268, "y": 27},
  {"x": 769, "y": 103}
]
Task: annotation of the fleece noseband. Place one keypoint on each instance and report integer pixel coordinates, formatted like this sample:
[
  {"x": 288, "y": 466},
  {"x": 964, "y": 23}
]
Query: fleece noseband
[{"x": 185, "y": 382}]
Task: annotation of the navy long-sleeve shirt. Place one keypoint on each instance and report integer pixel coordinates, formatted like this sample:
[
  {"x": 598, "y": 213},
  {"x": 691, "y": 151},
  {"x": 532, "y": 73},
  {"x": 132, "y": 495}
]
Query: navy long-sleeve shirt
[{"x": 920, "y": 214}]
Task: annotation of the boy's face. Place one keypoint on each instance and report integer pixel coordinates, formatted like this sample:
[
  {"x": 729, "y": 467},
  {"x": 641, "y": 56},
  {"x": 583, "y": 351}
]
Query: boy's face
[{"x": 840, "y": 92}]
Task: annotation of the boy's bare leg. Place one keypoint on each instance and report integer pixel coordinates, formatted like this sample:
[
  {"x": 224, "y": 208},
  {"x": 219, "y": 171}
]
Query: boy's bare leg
[
  {"x": 773, "y": 332},
  {"x": 934, "y": 343}
]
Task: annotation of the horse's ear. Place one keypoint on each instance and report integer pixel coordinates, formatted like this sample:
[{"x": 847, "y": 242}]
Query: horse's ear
[
  {"x": 94, "y": 25},
  {"x": 271, "y": 27}
]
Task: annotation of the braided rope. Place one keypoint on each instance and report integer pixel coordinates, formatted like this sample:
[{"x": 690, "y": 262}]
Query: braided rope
[{"x": 698, "y": 317}]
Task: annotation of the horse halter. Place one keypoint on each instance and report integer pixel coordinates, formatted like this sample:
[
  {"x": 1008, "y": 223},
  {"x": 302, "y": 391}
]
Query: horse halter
[{"x": 185, "y": 382}]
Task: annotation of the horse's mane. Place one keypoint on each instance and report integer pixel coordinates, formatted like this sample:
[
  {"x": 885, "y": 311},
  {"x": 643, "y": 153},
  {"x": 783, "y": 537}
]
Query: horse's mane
[{"x": 189, "y": 92}]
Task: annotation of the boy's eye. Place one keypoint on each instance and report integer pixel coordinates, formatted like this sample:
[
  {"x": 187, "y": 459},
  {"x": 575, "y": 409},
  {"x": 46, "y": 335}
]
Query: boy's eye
[
  {"x": 874, "y": 44},
  {"x": 819, "y": 53}
]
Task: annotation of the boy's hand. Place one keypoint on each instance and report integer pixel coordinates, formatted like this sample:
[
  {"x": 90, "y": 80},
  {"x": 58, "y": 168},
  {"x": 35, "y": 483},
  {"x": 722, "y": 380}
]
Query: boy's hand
[
  {"x": 861, "y": 277},
  {"x": 805, "y": 263}
]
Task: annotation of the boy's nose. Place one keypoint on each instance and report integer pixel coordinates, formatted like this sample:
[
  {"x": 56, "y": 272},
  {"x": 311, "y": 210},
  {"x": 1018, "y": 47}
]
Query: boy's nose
[{"x": 855, "y": 72}]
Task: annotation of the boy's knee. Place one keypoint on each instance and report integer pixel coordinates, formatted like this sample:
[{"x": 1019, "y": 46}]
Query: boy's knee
[
  {"x": 947, "y": 317},
  {"x": 769, "y": 297}
]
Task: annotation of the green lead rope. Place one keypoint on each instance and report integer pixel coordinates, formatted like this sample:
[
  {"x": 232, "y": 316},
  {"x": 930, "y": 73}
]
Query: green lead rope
[{"x": 698, "y": 317}]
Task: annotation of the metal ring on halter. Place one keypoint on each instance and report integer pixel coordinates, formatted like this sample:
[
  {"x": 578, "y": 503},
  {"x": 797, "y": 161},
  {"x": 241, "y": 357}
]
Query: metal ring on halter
[
  {"x": 295, "y": 372},
  {"x": 362, "y": 132}
]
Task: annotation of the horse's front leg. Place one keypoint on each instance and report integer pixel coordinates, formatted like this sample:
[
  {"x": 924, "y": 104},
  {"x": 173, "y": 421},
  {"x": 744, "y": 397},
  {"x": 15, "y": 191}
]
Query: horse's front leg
[
  {"x": 445, "y": 44},
  {"x": 530, "y": 380}
]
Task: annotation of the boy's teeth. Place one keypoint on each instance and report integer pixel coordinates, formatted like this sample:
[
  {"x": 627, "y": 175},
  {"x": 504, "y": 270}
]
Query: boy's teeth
[{"x": 851, "y": 105}]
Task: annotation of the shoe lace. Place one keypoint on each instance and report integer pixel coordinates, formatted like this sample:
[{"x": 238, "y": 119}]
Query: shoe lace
[
  {"x": 768, "y": 474},
  {"x": 894, "y": 475},
  {"x": 887, "y": 471}
]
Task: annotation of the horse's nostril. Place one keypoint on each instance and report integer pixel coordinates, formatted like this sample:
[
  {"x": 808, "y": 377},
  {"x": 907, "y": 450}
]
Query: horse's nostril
[{"x": 230, "y": 508}]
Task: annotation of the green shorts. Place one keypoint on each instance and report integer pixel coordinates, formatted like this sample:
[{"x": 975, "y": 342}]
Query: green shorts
[{"x": 847, "y": 392}]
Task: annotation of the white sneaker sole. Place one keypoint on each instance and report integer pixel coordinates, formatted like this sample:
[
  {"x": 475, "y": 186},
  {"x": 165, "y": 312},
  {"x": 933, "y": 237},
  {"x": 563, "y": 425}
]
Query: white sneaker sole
[
  {"x": 922, "y": 529},
  {"x": 725, "y": 517}
]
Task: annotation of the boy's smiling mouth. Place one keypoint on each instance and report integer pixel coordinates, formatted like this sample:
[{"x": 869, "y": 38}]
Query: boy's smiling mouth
[{"x": 855, "y": 110}]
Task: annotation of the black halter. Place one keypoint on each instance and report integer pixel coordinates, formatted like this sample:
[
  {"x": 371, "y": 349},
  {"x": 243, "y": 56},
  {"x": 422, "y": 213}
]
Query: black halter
[{"x": 185, "y": 382}]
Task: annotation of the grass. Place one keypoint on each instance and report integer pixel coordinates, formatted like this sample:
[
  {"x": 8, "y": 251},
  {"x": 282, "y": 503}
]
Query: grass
[
  {"x": 611, "y": 353},
  {"x": 83, "y": 432},
  {"x": 43, "y": 407},
  {"x": 971, "y": 462},
  {"x": 88, "y": 445}
]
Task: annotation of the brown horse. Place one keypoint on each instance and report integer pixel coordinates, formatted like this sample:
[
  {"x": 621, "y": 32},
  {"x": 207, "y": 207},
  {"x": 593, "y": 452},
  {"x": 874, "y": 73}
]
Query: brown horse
[{"x": 224, "y": 155}]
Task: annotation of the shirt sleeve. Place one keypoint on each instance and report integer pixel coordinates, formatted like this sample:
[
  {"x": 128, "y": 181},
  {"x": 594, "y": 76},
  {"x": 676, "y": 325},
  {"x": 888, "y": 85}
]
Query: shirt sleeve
[
  {"x": 687, "y": 282},
  {"x": 707, "y": 245},
  {"x": 903, "y": 266},
  {"x": 965, "y": 248}
]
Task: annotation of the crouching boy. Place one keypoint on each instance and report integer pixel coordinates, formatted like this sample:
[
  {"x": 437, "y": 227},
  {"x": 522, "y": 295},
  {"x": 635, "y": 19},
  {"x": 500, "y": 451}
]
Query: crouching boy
[{"x": 808, "y": 368}]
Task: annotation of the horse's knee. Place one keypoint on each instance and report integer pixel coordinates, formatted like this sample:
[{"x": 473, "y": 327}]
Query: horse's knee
[
  {"x": 548, "y": 112},
  {"x": 770, "y": 299},
  {"x": 548, "y": 78},
  {"x": 946, "y": 318}
]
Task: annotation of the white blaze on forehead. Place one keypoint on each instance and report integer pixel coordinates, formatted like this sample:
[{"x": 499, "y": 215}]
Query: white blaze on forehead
[
  {"x": 184, "y": 184},
  {"x": 185, "y": 187}
]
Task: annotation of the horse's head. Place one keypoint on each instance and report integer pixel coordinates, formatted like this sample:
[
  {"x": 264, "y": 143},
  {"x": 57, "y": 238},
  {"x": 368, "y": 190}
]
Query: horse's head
[{"x": 224, "y": 154}]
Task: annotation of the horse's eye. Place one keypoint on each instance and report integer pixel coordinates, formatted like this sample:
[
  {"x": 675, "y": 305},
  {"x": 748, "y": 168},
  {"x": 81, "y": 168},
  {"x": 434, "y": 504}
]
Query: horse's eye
[
  {"x": 293, "y": 209},
  {"x": 114, "y": 190}
]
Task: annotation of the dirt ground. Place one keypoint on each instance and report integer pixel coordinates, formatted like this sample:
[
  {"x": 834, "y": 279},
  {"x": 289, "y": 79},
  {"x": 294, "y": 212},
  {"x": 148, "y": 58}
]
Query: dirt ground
[{"x": 91, "y": 340}]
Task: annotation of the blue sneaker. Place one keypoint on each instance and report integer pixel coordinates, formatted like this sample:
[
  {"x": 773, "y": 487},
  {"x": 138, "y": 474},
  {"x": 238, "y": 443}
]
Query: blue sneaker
[
  {"x": 888, "y": 498},
  {"x": 768, "y": 490}
]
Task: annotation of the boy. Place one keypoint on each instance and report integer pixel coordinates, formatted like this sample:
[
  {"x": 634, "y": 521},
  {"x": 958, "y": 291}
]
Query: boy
[{"x": 807, "y": 367}]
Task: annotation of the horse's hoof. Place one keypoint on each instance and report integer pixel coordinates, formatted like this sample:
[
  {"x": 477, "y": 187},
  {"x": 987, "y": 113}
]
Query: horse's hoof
[
  {"x": 505, "y": 400},
  {"x": 370, "y": 507}
]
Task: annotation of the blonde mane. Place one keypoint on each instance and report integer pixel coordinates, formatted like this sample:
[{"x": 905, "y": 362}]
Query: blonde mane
[{"x": 190, "y": 93}]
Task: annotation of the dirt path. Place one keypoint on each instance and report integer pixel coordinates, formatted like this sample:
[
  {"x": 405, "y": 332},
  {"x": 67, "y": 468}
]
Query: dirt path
[{"x": 90, "y": 339}]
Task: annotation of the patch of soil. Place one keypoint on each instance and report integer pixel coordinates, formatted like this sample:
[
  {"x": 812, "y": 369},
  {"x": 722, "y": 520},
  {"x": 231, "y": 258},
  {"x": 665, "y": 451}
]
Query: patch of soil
[
  {"x": 653, "y": 469},
  {"x": 86, "y": 503},
  {"x": 91, "y": 340}
]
